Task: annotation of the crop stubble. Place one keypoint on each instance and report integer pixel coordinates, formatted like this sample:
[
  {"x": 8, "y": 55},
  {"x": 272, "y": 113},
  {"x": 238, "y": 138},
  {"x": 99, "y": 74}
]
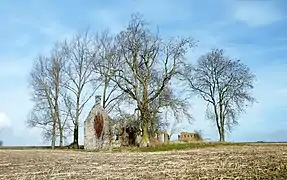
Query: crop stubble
[{"x": 238, "y": 162}]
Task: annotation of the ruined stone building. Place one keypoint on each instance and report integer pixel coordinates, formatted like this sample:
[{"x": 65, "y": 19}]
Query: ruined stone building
[
  {"x": 127, "y": 132},
  {"x": 98, "y": 128},
  {"x": 188, "y": 137},
  {"x": 101, "y": 132}
]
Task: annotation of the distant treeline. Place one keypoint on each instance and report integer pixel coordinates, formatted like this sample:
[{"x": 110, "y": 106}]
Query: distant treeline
[{"x": 37, "y": 147}]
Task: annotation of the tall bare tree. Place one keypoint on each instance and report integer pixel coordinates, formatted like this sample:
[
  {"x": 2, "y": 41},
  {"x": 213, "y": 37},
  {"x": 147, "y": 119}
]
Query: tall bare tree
[
  {"x": 140, "y": 53},
  {"x": 225, "y": 84},
  {"x": 171, "y": 106},
  {"x": 102, "y": 65},
  {"x": 46, "y": 80},
  {"x": 80, "y": 52}
]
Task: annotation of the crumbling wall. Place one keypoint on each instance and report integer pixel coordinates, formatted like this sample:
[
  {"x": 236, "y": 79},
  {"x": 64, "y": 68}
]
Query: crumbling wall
[
  {"x": 127, "y": 135},
  {"x": 188, "y": 137}
]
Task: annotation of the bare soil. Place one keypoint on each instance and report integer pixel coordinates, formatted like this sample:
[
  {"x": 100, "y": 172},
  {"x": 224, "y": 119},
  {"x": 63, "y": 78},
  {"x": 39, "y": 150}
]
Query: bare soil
[{"x": 232, "y": 162}]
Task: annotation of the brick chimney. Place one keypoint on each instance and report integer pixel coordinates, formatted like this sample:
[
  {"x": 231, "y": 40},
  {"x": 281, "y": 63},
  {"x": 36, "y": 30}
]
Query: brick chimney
[{"x": 98, "y": 99}]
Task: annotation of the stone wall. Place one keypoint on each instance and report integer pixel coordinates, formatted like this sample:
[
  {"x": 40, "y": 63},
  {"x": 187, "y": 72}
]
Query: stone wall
[
  {"x": 127, "y": 135},
  {"x": 98, "y": 133},
  {"x": 187, "y": 137}
]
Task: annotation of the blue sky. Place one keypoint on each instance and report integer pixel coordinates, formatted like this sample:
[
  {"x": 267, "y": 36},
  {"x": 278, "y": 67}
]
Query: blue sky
[{"x": 254, "y": 31}]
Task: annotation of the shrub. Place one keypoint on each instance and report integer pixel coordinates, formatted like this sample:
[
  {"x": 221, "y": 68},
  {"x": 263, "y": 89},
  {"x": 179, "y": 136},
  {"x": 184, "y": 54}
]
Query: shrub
[{"x": 198, "y": 135}]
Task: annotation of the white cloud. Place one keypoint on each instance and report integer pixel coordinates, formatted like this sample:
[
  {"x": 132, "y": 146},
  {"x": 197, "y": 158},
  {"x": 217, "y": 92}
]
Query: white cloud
[
  {"x": 256, "y": 13},
  {"x": 4, "y": 121}
]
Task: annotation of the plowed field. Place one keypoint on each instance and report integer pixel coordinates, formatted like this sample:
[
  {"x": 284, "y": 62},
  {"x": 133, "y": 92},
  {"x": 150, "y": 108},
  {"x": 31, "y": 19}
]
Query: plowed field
[{"x": 241, "y": 162}]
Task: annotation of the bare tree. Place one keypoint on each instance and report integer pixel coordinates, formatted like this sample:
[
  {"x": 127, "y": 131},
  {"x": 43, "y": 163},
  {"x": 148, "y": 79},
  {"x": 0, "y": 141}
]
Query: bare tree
[
  {"x": 225, "y": 84},
  {"x": 172, "y": 126},
  {"x": 40, "y": 116},
  {"x": 168, "y": 111},
  {"x": 46, "y": 80},
  {"x": 140, "y": 53},
  {"x": 81, "y": 52},
  {"x": 102, "y": 65},
  {"x": 171, "y": 105}
]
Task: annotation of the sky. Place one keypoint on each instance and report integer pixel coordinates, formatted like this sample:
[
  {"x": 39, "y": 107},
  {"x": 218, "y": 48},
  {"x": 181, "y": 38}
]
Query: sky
[{"x": 253, "y": 31}]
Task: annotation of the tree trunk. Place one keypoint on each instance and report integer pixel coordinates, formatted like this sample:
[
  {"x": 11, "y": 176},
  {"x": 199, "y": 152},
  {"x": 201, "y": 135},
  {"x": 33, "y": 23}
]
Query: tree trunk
[
  {"x": 53, "y": 144},
  {"x": 166, "y": 138},
  {"x": 152, "y": 130},
  {"x": 217, "y": 122},
  {"x": 61, "y": 136},
  {"x": 76, "y": 137},
  {"x": 221, "y": 134},
  {"x": 76, "y": 128},
  {"x": 222, "y": 138},
  {"x": 145, "y": 117},
  {"x": 60, "y": 127},
  {"x": 145, "y": 138},
  {"x": 105, "y": 93}
]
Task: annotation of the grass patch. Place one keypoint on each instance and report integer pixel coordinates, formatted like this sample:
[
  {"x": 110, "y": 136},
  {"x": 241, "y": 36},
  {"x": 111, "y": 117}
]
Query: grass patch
[
  {"x": 193, "y": 145},
  {"x": 157, "y": 148},
  {"x": 35, "y": 147},
  {"x": 176, "y": 146},
  {"x": 183, "y": 146}
]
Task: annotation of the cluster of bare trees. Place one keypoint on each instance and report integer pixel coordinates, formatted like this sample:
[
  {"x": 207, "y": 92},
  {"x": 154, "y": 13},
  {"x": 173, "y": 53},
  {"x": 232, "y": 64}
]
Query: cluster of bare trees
[{"x": 135, "y": 68}]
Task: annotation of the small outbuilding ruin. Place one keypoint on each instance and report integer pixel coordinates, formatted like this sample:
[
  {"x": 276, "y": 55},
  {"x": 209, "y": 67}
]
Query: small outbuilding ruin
[{"x": 188, "y": 137}]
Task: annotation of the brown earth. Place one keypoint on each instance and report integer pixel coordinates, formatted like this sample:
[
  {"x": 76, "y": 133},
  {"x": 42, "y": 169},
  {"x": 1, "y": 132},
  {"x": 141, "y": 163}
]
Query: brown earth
[{"x": 232, "y": 162}]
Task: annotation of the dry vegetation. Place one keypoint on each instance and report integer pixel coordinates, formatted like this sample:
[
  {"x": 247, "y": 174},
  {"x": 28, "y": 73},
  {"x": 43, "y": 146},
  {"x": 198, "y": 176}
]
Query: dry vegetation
[{"x": 226, "y": 162}]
